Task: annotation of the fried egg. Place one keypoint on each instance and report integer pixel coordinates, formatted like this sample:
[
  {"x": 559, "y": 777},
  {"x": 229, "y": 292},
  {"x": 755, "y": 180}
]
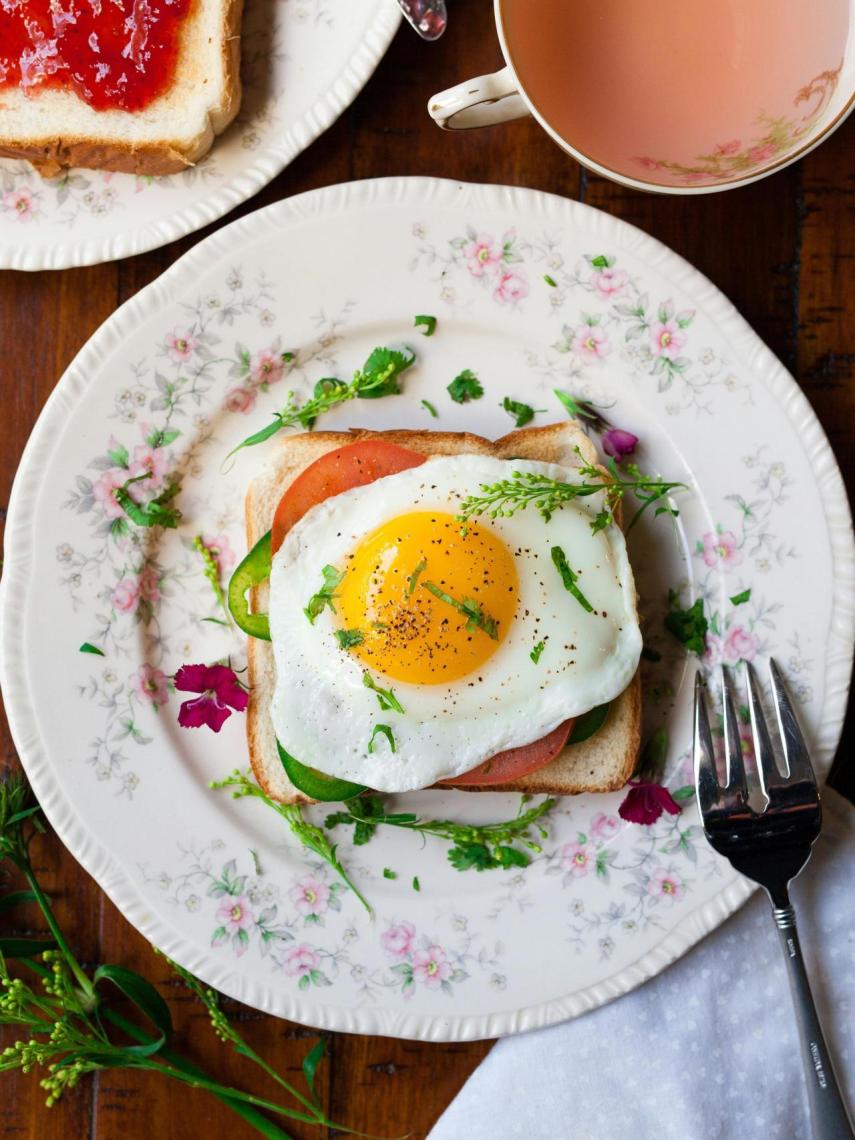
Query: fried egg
[{"x": 434, "y": 646}]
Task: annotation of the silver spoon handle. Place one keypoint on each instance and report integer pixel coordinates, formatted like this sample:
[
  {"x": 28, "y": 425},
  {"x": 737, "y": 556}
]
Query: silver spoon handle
[{"x": 828, "y": 1115}]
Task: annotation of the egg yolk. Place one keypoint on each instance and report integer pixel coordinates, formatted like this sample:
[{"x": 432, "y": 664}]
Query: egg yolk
[{"x": 431, "y": 604}]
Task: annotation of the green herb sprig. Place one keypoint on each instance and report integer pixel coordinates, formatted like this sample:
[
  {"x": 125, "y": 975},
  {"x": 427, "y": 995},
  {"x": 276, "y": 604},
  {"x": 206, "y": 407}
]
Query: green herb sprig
[
  {"x": 212, "y": 573},
  {"x": 465, "y": 387},
  {"x": 326, "y": 595},
  {"x": 547, "y": 495},
  {"x": 379, "y": 376},
  {"x": 157, "y": 511},
  {"x": 570, "y": 578},
  {"x": 386, "y": 699},
  {"x": 690, "y": 625},
  {"x": 470, "y": 608},
  {"x": 479, "y": 847},
  {"x": 64, "y": 1019},
  {"x": 310, "y": 836}
]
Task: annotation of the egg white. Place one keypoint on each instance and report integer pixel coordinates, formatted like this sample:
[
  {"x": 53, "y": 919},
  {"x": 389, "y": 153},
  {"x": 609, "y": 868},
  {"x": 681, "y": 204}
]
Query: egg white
[{"x": 321, "y": 710}]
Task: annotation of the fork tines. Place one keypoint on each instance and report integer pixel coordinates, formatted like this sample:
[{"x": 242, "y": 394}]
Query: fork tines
[{"x": 772, "y": 779}]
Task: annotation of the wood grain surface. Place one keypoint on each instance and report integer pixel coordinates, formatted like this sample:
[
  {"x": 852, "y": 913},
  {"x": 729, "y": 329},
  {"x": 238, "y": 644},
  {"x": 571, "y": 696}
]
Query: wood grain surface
[{"x": 783, "y": 251}]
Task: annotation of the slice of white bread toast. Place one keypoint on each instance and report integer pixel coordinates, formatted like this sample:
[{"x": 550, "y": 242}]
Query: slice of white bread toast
[
  {"x": 54, "y": 128},
  {"x": 603, "y": 763}
]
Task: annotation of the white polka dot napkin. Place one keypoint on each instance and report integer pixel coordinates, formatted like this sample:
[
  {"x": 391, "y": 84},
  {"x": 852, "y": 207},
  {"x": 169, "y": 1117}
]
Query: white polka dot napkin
[{"x": 705, "y": 1051}]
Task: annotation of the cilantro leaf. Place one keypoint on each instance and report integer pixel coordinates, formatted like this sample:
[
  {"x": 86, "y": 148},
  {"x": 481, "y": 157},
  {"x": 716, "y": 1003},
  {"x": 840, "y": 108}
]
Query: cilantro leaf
[
  {"x": 550, "y": 281},
  {"x": 379, "y": 374},
  {"x": 569, "y": 578},
  {"x": 537, "y": 652},
  {"x": 690, "y": 625},
  {"x": 465, "y": 386},
  {"x": 470, "y": 856},
  {"x": 88, "y": 647},
  {"x": 522, "y": 413},
  {"x": 326, "y": 595},
  {"x": 428, "y": 407},
  {"x": 389, "y": 874},
  {"x": 738, "y": 599},
  {"x": 426, "y": 325}
]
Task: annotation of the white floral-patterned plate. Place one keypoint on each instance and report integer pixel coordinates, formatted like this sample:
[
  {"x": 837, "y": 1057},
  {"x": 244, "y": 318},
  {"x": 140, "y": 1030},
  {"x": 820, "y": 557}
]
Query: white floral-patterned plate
[
  {"x": 532, "y": 292},
  {"x": 303, "y": 62}
]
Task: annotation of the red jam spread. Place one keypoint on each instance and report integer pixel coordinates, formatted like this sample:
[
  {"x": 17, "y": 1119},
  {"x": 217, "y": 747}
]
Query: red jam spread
[{"x": 115, "y": 54}]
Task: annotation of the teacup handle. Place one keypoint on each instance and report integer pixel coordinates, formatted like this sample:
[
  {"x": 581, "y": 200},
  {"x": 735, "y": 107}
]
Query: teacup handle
[{"x": 479, "y": 102}]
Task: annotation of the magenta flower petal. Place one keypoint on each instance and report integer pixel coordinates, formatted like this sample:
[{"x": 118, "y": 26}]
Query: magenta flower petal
[
  {"x": 203, "y": 711},
  {"x": 223, "y": 681},
  {"x": 645, "y": 802},
  {"x": 191, "y": 678},
  {"x": 219, "y": 692},
  {"x": 619, "y": 443}
]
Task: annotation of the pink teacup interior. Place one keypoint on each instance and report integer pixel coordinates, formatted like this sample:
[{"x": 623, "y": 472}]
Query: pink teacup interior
[{"x": 680, "y": 92}]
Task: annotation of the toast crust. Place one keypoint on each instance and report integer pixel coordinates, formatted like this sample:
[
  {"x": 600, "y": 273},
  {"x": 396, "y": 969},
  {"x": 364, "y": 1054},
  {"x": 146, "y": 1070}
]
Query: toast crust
[
  {"x": 56, "y": 152},
  {"x": 576, "y": 769}
]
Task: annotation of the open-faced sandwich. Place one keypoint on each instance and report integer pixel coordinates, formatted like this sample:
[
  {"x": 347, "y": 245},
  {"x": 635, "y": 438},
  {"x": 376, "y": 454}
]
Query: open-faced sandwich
[{"x": 431, "y": 608}]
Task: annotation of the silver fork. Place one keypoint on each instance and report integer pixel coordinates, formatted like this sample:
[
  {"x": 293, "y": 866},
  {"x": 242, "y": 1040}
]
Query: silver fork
[{"x": 771, "y": 847}]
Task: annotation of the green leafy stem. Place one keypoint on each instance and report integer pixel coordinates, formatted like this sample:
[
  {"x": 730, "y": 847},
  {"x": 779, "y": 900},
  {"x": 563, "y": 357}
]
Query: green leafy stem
[
  {"x": 547, "y": 495},
  {"x": 65, "y": 1021}
]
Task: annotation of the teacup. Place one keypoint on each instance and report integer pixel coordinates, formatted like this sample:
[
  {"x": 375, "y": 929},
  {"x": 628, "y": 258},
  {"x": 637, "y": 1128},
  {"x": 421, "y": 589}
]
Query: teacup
[{"x": 680, "y": 96}]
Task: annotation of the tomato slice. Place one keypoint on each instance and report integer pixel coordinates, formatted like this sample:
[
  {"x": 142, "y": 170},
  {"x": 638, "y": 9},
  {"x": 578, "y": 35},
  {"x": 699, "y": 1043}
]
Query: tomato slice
[
  {"x": 353, "y": 465},
  {"x": 505, "y": 767}
]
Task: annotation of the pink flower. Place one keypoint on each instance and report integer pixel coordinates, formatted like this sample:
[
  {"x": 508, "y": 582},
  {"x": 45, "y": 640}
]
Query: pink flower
[
  {"x": 721, "y": 546},
  {"x": 181, "y": 346},
  {"x": 604, "y": 826},
  {"x": 619, "y": 443},
  {"x": 713, "y": 651},
  {"x": 650, "y": 163},
  {"x": 152, "y": 461},
  {"x": 432, "y": 967},
  {"x": 21, "y": 203},
  {"x": 727, "y": 149},
  {"x": 740, "y": 645},
  {"x": 664, "y": 885},
  {"x": 668, "y": 338},
  {"x": 220, "y": 547},
  {"x": 398, "y": 940},
  {"x": 609, "y": 282},
  {"x": 125, "y": 596},
  {"x": 511, "y": 287},
  {"x": 481, "y": 255},
  {"x": 104, "y": 492},
  {"x": 576, "y": 858},
  {"x": 150, "y": 684},
  {"x": 591, "y": 342},
  {"x": 762, "y": 153},
  {"x": 310, "y": 896},
  {"x": 645, "y": 802},
  {"x": 267, "y": 367},
  {"x": 219, "y": 692},
  {"x": 300, "y": 961},
  {"x": 240, "y": 400},
  {"x": 235, "y": 914},
  {"x": 149, "y": 584}
]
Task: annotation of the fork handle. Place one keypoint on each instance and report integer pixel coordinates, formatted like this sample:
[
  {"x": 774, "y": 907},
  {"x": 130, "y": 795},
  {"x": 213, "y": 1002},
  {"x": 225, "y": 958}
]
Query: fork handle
[{"x": 829, "y": 1118}]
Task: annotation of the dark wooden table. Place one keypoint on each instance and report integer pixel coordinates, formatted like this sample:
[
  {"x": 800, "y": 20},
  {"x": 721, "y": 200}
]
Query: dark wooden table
[{"x": 783, "y": 251}]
